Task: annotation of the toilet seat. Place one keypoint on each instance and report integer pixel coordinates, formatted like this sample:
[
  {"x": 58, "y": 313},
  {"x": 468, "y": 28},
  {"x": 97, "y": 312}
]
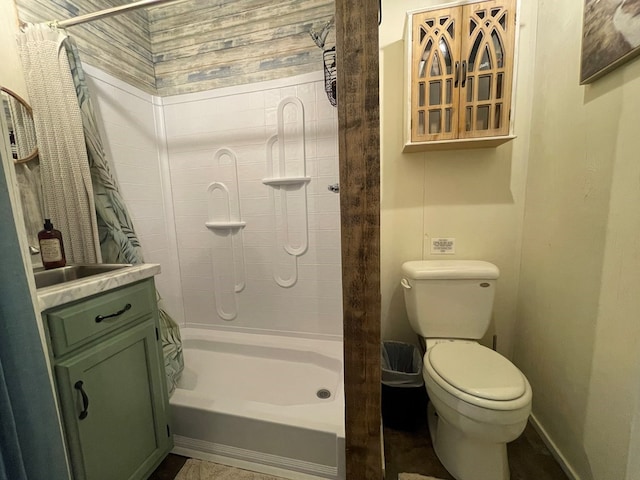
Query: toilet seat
[{"x": 477, "y": 375}]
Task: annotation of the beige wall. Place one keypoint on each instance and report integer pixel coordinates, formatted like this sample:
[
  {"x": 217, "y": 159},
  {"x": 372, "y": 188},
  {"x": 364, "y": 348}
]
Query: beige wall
[
  {"x": 569, "y": 313},
  {"x": 476, "y": 196},
  {"x": 11, "y": 71},
  {"x": 578, "y": 331}
]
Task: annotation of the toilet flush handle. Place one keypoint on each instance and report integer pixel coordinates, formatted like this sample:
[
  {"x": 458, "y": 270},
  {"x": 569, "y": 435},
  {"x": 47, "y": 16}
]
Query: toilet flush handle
[{"x": 405, "y": 283}]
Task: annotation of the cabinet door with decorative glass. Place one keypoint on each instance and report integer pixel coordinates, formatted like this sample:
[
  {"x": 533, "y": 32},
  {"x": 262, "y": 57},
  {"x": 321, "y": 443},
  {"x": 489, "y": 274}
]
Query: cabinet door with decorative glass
[
  {"x": 461, "y": 71},
  {"x": 487, "y": 68},
  {"x": 435, "y": 75}
]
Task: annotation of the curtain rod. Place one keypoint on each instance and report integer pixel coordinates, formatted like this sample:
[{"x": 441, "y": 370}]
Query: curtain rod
[{"x": 108, "y": 12}]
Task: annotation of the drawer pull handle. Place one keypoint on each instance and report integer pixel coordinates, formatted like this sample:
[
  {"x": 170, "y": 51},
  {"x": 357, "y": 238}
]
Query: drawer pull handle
[
  {"x": 100, "y": 318},
  {"x": 85, "y": 400}
]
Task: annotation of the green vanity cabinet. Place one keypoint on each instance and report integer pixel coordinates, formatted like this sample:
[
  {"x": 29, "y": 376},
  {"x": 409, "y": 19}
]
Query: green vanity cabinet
[{"x": 109, "y": 374}]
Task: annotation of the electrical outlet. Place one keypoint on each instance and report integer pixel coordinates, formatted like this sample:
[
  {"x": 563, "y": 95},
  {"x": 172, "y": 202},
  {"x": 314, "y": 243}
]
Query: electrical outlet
[{"x": 443, "y": 246}]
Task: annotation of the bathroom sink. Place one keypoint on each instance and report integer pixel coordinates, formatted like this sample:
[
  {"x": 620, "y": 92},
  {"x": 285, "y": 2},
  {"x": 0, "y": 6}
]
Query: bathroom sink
[{"x": 56, "y": 276}]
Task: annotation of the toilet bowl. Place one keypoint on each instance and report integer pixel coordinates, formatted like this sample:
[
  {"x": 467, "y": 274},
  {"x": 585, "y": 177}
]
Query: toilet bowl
[{"x": 479, "y": 402}]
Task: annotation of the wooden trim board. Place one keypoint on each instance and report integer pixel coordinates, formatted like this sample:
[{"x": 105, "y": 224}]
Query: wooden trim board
[
  {"x": 458, "y": 144},
  {"x": 359, "y": 147}
]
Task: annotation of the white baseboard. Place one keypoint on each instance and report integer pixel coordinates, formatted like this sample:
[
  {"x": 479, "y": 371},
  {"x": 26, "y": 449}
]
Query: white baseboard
[
  {"x": 258, "y": 462},
  {"x": 555, "y": 452}
]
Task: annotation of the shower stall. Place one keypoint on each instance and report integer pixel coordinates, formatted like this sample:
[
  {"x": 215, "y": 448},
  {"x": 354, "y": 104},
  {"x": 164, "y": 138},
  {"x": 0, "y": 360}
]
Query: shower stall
[{"x": 233, "y": 191}]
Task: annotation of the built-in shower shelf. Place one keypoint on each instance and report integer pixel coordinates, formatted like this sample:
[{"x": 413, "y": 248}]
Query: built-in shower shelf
[
  {"x": 283, "y": 181},
  {"x": 225, "y": 225}
]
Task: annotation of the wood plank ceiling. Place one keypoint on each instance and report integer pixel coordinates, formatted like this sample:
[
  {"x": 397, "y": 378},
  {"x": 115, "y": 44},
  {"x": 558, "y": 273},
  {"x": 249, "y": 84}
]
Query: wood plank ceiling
[{"x": 193, "y": 46}]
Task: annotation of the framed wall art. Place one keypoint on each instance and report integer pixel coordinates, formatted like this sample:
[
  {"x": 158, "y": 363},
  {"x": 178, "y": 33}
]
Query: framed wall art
[{"x": 610, "y": 36}]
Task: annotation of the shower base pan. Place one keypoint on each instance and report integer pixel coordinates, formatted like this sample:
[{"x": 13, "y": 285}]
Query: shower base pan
[{"x": 271, "y": 404}]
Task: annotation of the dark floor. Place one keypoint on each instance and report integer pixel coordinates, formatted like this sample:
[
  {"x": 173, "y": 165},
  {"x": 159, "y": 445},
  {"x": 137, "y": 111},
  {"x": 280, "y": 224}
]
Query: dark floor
[
  {"x": 410, "y": 451},
  {"x": 169, "y": 468}
]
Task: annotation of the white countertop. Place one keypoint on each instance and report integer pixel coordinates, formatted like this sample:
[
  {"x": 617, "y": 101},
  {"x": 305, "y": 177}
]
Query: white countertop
[{"x": 55, "y": 295}]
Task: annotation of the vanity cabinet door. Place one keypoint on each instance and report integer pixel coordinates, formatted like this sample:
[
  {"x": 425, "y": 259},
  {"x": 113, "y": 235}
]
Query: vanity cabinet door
[{"x": 112, "y": 401}]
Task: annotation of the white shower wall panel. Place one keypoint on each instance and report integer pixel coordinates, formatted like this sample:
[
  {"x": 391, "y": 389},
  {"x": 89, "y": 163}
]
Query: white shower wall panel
[
  {"x": 134, "y": 142},
  {"x": 242, "y": 119}
]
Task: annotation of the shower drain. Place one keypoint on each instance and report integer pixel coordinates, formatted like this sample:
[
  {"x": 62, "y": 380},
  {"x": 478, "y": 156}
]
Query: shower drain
[{"x": 323, "y": 393}]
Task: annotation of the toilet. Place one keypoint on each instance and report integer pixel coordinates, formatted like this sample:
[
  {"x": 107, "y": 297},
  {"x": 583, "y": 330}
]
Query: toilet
[{"x": 479, "y": 400}]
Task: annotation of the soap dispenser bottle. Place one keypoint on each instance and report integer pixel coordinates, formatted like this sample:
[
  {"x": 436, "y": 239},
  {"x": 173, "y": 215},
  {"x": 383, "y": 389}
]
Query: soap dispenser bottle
[{"x": 51, "y": 247}]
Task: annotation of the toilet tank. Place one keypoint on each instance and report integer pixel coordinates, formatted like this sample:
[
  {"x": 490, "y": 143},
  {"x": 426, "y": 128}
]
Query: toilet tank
[{"x": 449, "y": 298}]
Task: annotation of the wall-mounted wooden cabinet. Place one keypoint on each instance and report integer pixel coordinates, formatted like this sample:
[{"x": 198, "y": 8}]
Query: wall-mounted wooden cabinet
[{"x": 459, "y": 76}]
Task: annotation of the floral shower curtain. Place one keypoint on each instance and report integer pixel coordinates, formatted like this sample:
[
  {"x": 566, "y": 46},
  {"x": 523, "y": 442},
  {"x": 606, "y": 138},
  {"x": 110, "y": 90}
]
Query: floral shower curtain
[{"x": 118, "y": 242}]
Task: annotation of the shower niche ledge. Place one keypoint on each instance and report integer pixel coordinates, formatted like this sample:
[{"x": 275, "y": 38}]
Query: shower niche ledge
[
  {"x": 286, "y": 181},
  {"x": 231, "y": 225}
]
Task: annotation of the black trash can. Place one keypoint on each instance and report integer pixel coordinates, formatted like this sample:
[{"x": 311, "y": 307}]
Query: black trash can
[{"x": 404, "y": 398}]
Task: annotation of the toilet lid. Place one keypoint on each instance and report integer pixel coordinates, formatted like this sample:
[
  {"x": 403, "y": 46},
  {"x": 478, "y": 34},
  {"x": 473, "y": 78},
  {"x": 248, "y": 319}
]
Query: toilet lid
[{"x": 477, "y": 370}]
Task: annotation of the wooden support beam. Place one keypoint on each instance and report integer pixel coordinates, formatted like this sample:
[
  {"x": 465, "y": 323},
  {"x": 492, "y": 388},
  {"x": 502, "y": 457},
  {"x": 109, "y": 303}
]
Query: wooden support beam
[{"x": 359, "y": 143}]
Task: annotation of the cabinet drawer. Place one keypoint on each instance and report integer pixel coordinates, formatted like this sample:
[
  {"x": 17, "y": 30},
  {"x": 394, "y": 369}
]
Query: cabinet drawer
[{"x": 75, "y": 325}]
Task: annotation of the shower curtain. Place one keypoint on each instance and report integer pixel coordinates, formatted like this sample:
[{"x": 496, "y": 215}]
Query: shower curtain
[
  {"x": 66, "y": 180},
  {"x": 117, "y": 238}
]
